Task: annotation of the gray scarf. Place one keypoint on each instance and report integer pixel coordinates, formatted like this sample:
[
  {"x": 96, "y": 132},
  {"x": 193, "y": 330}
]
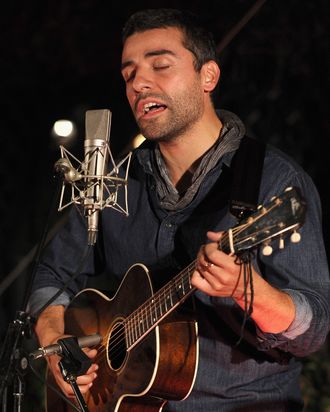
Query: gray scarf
[{"x": 231, "y": 134}]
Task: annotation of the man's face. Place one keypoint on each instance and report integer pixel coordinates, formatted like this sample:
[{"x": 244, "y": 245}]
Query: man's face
[{"x": 163, "y": 88}]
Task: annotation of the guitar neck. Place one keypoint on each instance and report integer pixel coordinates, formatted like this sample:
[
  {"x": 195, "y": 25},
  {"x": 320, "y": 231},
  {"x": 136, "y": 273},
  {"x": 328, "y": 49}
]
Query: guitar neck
[
  {"x": 156, "y": 308},
  {"x": 282, "y": 214},
  {"x": 162, "y": 303}
]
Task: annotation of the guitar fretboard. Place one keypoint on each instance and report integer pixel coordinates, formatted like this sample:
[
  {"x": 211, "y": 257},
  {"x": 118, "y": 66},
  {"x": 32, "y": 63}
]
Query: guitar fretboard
[
  {"x": 282, "y": 214},
  {"x": 164, "y": 301}
]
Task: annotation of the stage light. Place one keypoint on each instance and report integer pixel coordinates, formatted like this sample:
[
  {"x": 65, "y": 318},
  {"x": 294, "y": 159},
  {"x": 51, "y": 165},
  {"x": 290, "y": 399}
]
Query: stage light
[
  {"x": 63, "y": 128},
  {"x": 64, "y": 132}
]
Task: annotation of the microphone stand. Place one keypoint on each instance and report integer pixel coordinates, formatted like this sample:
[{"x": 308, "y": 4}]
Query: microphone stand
[
  {"x": 74, "y": 363},
  {"x": 13, "y": 360}
]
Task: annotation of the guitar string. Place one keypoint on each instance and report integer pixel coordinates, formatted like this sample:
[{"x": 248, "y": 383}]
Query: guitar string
[
  {"x": 130, "y": 327},
  {"x": 119, "y": 336},
  {"x": 133, "y": 329},
  {"x": 146, "y": 309}
]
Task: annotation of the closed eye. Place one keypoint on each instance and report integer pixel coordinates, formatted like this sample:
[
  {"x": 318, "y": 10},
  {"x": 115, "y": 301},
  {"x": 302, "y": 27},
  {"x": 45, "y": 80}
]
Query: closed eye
[{"x": 162, "y": 67}]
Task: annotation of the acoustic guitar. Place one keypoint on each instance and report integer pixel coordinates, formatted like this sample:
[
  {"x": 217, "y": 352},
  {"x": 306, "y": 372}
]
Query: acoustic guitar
[{"x": 147, "y": 357}]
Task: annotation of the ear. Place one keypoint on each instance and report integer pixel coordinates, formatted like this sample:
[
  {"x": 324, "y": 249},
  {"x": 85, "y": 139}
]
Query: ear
[{"x": 210, "y": 75}]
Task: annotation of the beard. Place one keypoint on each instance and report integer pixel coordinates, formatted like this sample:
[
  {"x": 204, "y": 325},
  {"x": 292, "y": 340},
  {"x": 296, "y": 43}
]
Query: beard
[{"x": 181, "y": 113}]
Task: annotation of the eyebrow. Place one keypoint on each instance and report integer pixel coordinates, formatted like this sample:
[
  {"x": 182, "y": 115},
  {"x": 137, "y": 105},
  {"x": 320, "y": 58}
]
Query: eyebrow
[{"x": 151, "y": 53}]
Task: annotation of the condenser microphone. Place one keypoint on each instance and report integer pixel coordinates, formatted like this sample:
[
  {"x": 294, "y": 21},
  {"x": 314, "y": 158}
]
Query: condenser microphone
[
  {"x": 94, "y": 182},
  {"x": 97, "y": 124}
]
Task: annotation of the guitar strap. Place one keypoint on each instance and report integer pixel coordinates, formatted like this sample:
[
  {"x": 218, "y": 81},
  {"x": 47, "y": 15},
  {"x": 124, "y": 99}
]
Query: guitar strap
[
  {"x": 246, "y": 167},
  {"x": 246, "y": 170}
]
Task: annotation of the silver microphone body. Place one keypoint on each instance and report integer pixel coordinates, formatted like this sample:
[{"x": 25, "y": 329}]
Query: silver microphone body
[
  {"x": 95, "y": 165},
  {"x": 56, "y": 348}
]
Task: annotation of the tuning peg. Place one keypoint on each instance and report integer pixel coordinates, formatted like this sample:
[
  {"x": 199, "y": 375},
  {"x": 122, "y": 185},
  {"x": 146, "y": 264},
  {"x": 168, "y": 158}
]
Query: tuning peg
[
  {"x": 262, "y": 209},
  {"x": 267, "y": 250},
  {"x": 281, "y": 243},
  {"x": 288, "y": 189},
  {"x": 295, "y": 237}
]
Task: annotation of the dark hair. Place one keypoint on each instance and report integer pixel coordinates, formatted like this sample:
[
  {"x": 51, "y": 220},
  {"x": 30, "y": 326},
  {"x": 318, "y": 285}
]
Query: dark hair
[{"x": 197, "y": 39}]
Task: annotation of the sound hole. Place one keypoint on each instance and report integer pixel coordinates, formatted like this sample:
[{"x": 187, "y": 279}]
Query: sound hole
[{"x": 117, "y": 346}]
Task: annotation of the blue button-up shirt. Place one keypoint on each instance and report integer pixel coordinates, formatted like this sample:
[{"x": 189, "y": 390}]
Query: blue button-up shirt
[{"x": 262, "y": 372}]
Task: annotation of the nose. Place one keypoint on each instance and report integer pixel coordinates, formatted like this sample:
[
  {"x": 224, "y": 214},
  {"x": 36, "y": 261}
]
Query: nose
[{"x": 142, "y": 81}]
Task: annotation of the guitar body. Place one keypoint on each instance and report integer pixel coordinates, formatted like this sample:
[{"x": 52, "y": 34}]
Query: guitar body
[{"x": 160, "y": 367}]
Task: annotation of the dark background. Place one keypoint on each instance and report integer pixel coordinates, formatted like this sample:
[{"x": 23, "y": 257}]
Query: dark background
[{"x": 61, "y": 58}]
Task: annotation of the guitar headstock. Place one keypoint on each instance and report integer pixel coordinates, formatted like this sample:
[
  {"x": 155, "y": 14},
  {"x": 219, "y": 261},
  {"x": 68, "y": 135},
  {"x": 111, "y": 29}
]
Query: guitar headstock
[{"x": 282, "y": 215}]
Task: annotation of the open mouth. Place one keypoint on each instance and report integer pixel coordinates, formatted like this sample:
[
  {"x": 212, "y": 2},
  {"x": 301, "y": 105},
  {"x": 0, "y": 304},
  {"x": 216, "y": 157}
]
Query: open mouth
[{"x": 152, "y": 108}]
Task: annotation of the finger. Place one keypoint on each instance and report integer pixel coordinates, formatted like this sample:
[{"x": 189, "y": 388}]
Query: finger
[
  {"x": 210, "y": 257},
  {"x": 84, "y": 380},
  {"x": 212, "y": 276},
  {"x": 91, "y": 353},
  {"x": 93, "y": 368},
  {"x": 202, "y": 284},
  {"x": 66, "y": 387},
  {"x": 204, "y": 263},
  {"x": 218, "y": 257},
  {"x": 203, "y": 256},
  {"x": 214, "y": 236}
]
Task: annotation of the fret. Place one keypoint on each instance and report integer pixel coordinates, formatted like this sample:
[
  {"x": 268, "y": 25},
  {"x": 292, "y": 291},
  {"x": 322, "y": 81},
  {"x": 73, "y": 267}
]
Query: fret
[
  {"x": 160, "y": 306},
  {"x": 162, "y": 300},
  {"x": 146, "y": 317},
  {"x": 183, "y": 286},
  {"x": 189, "y": 283},
  {"x": 150, "y": 315},
  {"x": 153, "y": 310},
  {"x": 178, "y": 289},
  {"x": 128, "y": 329},
  {"x": 157, "y": 306},
  {"x": 144, "y": 324},
  {"x": 165, "y": 300},
  {"x": 131, "y": 332},
  {"x": 126, "y": 335},
  {"x": 170, "y": 298},
  {"x": 134, "y": 329},
  {"x": 139, "y": 324},
  {"x": 131, "y": 326}
]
